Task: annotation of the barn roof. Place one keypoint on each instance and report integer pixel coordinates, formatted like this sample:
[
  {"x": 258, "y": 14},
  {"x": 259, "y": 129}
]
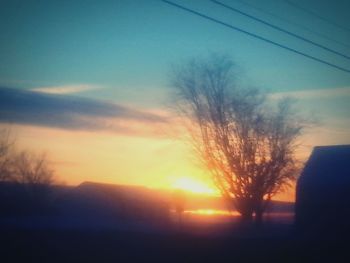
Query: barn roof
[{"x": 329, "y": 164}]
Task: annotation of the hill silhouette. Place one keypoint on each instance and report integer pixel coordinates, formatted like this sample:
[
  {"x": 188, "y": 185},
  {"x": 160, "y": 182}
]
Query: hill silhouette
[
  {"x": 92, "y": 205},
  {"x": 95, "y": 222}
]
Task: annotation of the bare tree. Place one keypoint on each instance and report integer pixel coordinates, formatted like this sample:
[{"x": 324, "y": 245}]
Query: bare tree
[
  {"x": 6, "y": 145},
  {"x": 31, "y": 175},
  {"x": 24, "y": 167},
  {"x": 34, "y": 174},
  {"x": 32, "y": 169},
  {"x": 247, "y": 145}
]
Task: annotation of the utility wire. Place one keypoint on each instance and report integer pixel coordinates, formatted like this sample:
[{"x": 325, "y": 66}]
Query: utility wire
[
  {"x": 308, "y": 11},
  {"x": 255, "y": 36},
  {"x": 280, "y": 29},
  {"x": 293, "y": 23}
]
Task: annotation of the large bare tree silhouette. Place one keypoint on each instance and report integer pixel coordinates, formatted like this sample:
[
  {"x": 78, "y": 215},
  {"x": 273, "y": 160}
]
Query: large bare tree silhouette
[{"x": 246, "y": 143}]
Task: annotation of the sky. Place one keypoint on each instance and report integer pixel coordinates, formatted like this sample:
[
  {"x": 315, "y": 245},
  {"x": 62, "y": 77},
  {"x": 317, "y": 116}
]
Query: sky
[{"x": 88, "y": 81}]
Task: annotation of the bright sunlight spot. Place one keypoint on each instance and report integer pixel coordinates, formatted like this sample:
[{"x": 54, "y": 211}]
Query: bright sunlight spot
[
  {"x": 212, "y": 212},
  {"x": 189, "y": 184}
]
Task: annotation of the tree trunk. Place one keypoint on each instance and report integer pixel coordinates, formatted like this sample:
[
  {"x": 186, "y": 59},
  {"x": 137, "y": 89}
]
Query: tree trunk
[
  {"x": 246, "y": 218},
  {"x": 259, "y": 217},
  {"x": 259, "y": 211}
]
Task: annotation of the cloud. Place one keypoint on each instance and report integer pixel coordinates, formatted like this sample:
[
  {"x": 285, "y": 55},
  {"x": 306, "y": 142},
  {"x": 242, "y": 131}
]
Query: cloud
[
  {"x": 313, "y": 94},
  {"x": 70, "y": 112},
  {"x": 66, "y": 89}
]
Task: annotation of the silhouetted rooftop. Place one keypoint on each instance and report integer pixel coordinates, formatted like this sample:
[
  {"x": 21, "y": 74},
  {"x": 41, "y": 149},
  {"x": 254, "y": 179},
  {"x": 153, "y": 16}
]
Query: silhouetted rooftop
[{"x": 329, "y": 164}]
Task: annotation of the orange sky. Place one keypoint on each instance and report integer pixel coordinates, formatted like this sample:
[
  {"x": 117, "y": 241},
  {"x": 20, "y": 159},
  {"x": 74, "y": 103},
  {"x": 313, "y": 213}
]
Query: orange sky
[
  {"x": 157, "y": 162},
  {"x": 113, "y": 158},
  {"x": 150, "y": 154}
]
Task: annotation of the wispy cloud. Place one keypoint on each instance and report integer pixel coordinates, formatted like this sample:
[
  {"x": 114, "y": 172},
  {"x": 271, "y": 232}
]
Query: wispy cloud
[
  {"x": 313, "y": 94},
  {"x": 71, "y": 112},
  {"x": 66, "y": 89}
]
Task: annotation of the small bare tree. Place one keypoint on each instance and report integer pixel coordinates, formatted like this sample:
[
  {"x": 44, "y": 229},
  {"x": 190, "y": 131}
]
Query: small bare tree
[
  {"x": 34, "y": 173},
  {"x": 24, "y": 167},
  {"x": 32, "y": 169},
  {"x": 6, "y": 145},
  {"x": 247, "y": 145}
]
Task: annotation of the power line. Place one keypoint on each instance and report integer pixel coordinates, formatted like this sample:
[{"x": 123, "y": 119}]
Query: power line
[
  {"x": 255, "y": 36},
  {"x": 294, "y": 23},
  {"x": 317, "y": 15},
  {"x": 280, "y": 29}
]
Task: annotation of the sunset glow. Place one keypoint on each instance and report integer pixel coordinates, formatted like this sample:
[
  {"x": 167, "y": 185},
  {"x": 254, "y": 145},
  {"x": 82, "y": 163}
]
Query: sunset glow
[
  {"x": 96, "y": 98},
  {"x": 212, "y": 212},
  {"x": 174, "y": 131},
  {"x": 191, "y": 185}
]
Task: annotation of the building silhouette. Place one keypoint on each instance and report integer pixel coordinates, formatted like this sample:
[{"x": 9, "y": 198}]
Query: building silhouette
[{"x": 322, "y": 205}]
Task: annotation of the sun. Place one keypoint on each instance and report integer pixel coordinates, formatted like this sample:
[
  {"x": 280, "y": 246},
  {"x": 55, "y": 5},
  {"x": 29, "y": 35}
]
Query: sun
[{"x": 192, "y": 185}]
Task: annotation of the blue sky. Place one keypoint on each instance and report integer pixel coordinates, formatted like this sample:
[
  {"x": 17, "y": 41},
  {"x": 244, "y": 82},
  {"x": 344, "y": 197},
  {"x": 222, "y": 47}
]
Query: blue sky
[
  {"x": 127, "y": 47},
  {"x": 60, "y": 57}
]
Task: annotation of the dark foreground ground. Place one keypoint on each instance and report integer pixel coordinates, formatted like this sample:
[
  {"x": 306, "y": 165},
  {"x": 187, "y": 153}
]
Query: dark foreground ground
[{"x": 45, "y": 245}]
